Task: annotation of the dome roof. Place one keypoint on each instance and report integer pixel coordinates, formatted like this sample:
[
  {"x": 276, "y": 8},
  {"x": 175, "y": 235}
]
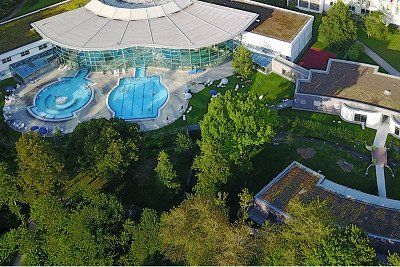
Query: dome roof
[
  {"x": 136, "y": 9},
  {"x": 118, "y": 24}
]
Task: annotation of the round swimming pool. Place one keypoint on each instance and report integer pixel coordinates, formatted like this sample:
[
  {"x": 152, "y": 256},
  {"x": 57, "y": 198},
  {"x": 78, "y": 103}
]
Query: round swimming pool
[
  {"x": 60, "y": 100},
  {"x": 138, "y": 98}
]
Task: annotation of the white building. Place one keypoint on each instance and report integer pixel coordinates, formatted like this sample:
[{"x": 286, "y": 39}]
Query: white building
[
  {"x": 106, "y": 35},
  {"x": 391, "y": 8},
  {"x": 357, "y": 92},
  {"x": 21, "y": 53}
]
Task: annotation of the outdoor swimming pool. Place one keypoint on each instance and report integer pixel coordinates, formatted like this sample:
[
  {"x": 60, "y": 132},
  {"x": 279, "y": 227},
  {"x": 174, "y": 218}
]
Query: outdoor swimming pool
[
  {"x": 60, "y": 100},
  {"x": 138, "y": 98}
]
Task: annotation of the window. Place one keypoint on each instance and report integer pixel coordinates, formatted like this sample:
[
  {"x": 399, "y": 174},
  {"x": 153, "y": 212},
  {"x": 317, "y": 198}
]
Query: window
[
  {"x": 360, "y": 117},
  {"x": 6, "y": 60},
  {"x": 25, "y": 53},
  {"x": 303, "y": 102},
  {"x": 317, "y": 103},
  {"x": 43, "y": 46},
  {"x": 396, "y": 131}
]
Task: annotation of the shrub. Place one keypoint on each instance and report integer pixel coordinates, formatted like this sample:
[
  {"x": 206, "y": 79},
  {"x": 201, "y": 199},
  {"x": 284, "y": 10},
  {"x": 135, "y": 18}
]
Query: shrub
[
  {"x": 375, "y": 26},
  {"x": 355, "y": 52}
]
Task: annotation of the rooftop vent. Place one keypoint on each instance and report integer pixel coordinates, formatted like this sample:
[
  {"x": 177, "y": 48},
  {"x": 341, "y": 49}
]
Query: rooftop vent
[{"x": 387, "y": 92}]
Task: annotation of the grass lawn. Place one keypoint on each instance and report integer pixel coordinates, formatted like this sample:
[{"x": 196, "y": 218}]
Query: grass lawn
[
  {"x": 364, "y": 58},
  {"x": 326, "y": 127},
  {"x": 388, "y": 49},
  {"x": 7, "y": 7},
  {"x": 273, "y": 159},
  {"x": 32, "y": 5},
  {"x": 141, "y": 188},
  {"x": 18, "y": 33},
  {"x": 273, "y": 87}
]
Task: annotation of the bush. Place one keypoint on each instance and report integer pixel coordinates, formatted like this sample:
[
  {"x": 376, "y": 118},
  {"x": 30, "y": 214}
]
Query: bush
[
  {"x": 375, "y": 26},
  {"x": 393, "y": 29},
  {"x": 355, "y": 52},
  {"x": 183, "y": 143}
]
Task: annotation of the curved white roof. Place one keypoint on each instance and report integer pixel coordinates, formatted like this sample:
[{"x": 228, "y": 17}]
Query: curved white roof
[{"x": 103, "y": 25}]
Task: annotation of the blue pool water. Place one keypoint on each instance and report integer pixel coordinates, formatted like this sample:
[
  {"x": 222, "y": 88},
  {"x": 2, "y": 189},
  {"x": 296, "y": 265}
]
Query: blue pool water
[
  {"x": 139, "y": 97},
  {"x": 59, "y": 100}
]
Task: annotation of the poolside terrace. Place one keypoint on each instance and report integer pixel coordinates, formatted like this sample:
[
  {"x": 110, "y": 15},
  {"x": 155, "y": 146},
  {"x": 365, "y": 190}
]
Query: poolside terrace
[{"x": 176, "y": 81}]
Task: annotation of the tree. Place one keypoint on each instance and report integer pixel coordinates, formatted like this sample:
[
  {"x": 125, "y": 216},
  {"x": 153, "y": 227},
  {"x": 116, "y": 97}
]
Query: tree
[
  {"x": 245, "y": 200},
  {"x": 375, "y": 26},
  {"x": 394, "y": 259},
  {"x": 165, "y": 171},
  {"x": 198, "y": 232},
  {"x": 106, "y": 148},
  {"x": 239, "y": 125},
  {"x": 311, "y": 237},
  {"x": 345, "y": 246},
  {"x": 289, "y": 138},
  {"x": 294, "y": 242},
  {"x": 10, "y": 193},
  {"x": 41, "y": 171},
  {"x": 9, "y": 246},
  {"x": 143, "y": 239},
  {"x": 355, "y": 51},
  {"x": 242, "y": 62},
  {"x": 212, "y": 169},
  {"x": 337, "y": 27},
  {"x": 183, "y": 143},
  {"x": 85, "y": 231}
]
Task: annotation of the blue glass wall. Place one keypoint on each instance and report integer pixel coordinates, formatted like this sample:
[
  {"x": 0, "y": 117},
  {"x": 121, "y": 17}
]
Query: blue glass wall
[{"x": 145, "y": 56}]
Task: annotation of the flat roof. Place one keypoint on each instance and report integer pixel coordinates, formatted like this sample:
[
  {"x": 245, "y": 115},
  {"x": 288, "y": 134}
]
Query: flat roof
[
  {"x": 184, "y": 24},
  {"x": 299, "y": 182},
  {"x": 274, "y": 22},
  {"x": 354, "y": 81}
]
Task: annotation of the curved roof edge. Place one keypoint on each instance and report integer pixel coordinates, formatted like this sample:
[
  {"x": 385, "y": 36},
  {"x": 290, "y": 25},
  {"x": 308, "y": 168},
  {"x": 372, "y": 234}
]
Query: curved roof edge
[{"x": 198, "y": 25}]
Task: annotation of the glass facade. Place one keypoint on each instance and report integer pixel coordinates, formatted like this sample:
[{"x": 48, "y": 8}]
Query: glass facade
[{"x": 147, "y": 56}]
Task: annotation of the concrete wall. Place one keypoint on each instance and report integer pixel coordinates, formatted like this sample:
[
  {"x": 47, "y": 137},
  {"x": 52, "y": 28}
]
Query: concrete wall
[
  {"x": 15, "y": 56},
  {"x": 288, "y": 49},
  {"x": 346, "y": 109},
  {"x": 254, "y": 39},
  {"x": 288, "y": 69}
]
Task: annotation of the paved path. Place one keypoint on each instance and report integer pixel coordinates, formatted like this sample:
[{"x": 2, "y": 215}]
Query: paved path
[
  {"x": 380, "y": 180},
  {"x": 379, "y": 60},
  {"x": 380, "y": 144}
]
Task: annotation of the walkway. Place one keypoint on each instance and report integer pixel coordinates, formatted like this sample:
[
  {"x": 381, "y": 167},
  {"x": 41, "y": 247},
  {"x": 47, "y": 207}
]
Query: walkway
[
  {"x": 379, "y": 60},
  {"x": 379, "y": 154}
]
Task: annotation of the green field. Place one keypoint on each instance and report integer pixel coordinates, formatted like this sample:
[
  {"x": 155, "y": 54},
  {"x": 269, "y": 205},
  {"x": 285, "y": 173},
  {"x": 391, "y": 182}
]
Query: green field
[
  {"x": 19, "y": 32},
  {"x": 388, "y": 49},
  {"x": 273, "y": 87},
  {"x": 33, "y": 5}
]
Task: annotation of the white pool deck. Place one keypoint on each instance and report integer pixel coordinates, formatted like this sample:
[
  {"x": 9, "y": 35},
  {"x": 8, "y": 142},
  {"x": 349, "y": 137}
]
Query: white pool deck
[{"x": 175, "y": 80}]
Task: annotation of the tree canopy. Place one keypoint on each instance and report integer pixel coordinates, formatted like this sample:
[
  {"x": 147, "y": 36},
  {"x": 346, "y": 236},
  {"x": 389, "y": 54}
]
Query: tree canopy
[
  {"x": 198, "y": 232},
  {"x": 104, "y": 147},
  {"x": 375, "y": 26},
  {"x": 311, "y": 237},
  {"x": 242, "y": 62},
  {"x": 41, "y": 171},
  {"x": 338, "y": 27},
  {"x": 239, "y": 124},
  {"x": 165, "y": 171},
  {"x": 84, "y": 233}
]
